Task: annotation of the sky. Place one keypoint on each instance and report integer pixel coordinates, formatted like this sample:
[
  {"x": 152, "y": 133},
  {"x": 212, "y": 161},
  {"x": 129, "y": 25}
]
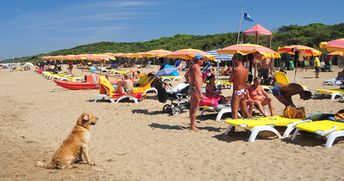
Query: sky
[{"x": 29, "y": 27}]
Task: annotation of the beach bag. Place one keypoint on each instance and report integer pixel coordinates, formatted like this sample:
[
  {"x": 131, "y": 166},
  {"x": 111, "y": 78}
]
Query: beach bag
[{"x": 294, "y": 112}]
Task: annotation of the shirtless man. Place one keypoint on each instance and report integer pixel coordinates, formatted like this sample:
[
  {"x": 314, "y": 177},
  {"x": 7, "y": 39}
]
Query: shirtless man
[
  {"x": 239, "y": 78},
  {"x": 284, "y": 92},
  {"x": 264, "y": 69},
  {"x": 194, "y": 77}
]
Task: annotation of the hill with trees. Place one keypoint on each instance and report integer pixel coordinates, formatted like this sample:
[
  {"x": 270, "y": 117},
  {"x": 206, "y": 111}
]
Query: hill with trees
[{"x": 309, "y": 35}]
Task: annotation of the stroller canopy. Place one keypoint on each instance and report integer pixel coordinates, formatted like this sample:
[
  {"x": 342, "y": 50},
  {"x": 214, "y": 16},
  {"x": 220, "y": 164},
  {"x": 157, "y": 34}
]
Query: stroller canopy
[{"x": 168, "y": 70}]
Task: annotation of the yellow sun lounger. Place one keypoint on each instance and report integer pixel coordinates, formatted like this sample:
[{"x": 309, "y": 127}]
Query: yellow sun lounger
[
  {"x": 329, "y": 129},
  {"x": 256, "y": 125},
  {"x": 281, "y": 78},
  {"x": 334, "y": 93}
]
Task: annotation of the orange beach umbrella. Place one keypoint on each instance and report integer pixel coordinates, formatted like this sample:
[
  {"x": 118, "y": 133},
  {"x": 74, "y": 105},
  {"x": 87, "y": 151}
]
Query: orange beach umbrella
[
  {"x": 334, "y": 45},
  {"x": 189, "y": 54},
  {"x": 248, "y": 48},
  {"x": 304, "y": 50}
]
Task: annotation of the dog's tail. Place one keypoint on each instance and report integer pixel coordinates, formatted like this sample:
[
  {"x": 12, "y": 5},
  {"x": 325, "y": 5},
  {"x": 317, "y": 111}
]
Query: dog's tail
[{"x": 44, "y": 165}]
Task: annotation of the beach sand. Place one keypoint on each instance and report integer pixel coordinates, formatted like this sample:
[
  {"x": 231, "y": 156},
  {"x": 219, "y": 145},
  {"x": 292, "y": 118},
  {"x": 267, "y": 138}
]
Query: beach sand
[{"x": 140, "y": 142}]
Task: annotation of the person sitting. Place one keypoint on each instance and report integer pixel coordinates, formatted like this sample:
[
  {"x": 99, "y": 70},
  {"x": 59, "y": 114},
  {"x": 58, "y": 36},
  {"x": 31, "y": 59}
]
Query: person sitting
[
  {"x": 260, "y": 97},
  {"x": 249, "y": 101},
  {"x": 284, "y": 92},
  {"x": 125, "y": 85},
  {"x": 212, "y": 91}
]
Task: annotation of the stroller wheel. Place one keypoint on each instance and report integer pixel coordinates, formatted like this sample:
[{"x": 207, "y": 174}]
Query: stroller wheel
[
  {"x": 175, "y": 111},
  {"x": 166, "y": 108}
]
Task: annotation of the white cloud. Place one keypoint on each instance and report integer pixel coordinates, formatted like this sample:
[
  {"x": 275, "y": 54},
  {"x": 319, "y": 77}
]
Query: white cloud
[{"x": 116, "y": 4}]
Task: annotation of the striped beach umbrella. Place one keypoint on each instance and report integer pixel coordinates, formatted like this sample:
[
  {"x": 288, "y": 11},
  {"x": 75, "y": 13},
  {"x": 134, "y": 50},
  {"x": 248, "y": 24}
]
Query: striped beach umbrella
[
  {"x": 189, "y": 54},
  {"x": 248, "y": 48},
  {"x": 304, "y": 50},
  {"x": 334, "y": 45}
]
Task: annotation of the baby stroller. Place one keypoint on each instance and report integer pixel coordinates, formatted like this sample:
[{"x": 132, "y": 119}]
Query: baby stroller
[{"x": 178, "y": 96}]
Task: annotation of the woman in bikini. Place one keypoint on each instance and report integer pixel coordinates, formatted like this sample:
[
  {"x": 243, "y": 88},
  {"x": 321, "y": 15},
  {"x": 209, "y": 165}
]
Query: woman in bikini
[
  {"x": 212, "y": 91},
  {"x": 260, "y": 97}
]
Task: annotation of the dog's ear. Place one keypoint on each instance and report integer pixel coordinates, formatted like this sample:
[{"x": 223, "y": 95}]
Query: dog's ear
[{"x": 83, "y": 119}]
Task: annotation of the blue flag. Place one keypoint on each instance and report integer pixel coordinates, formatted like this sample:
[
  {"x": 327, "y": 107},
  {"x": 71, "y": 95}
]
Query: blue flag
[{"x": 247, "y": 17}]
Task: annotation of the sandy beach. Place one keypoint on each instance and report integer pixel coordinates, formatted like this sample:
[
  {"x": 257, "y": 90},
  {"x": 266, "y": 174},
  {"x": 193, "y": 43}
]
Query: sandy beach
[{"x": 140, "y": 142}]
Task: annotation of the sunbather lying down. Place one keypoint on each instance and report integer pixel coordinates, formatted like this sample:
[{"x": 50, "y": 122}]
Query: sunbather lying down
[
  {"x": 284, "y": 93},
  {"x": 125, "y": 85}
]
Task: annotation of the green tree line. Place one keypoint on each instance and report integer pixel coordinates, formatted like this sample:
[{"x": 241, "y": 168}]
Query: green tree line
[{"x": 309, "y": 35}]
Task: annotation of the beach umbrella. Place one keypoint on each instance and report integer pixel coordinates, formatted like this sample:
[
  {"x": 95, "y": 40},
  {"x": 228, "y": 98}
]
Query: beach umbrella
[
  {"x": 248, "y": 48},
  {"x": 258, "y": 30},
  {"x": 156, "y": 53},
  {"x": 304, "y": 50},
  {"x": 339, "y": 53},
  {"x": 189, "y": 54},
  {"x": 221, "y": 57},
  {"x": 334, "y": 45}
]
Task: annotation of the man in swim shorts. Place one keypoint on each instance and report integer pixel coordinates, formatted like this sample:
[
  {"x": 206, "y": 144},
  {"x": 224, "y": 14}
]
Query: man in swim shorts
[
  {"x": 194, "y": 77},
  {"x": 239, "y": 78},
  {"x": 284, "y": 93}
]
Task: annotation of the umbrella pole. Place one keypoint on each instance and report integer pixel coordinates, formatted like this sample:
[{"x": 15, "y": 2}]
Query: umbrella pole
[
  {"x": 296, "y": 63},
  {"x": 255, "y": 68},
  {"x": 218, "y": 72}
]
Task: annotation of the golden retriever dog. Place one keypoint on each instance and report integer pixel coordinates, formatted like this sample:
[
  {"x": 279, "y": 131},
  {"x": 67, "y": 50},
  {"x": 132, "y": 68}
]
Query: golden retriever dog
[{"x": 75, "y": 148}]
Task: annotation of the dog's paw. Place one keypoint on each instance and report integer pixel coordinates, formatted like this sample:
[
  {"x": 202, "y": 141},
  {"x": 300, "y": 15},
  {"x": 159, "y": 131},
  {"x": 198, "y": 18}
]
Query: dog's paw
[{"x": 91, "y": 163}]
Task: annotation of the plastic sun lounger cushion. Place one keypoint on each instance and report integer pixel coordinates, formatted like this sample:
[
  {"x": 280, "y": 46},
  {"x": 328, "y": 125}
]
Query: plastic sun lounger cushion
[
  {"x": 329, "y": 129},
  {"x": 264, "y": 124}
]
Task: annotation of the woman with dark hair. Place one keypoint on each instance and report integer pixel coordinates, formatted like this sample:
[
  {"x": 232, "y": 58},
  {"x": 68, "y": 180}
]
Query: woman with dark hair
[{"x": 212, "y": 91}]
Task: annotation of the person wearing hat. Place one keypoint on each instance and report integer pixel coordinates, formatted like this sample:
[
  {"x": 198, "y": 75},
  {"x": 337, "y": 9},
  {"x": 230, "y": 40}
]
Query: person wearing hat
[
  {"x": 284, "y": 92},
  {"x": 194, "y": 77}
]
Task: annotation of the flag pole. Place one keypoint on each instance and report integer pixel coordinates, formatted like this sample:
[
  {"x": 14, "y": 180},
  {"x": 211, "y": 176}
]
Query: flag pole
[{"x": 240, "y": 23}]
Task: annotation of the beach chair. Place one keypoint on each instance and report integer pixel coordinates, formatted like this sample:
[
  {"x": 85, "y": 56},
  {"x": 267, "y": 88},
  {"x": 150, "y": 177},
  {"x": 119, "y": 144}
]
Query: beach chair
[
  {"x": 336, "y": 94},
  {"x": 171, "y": 78},
  {"x": 334, "y": 82},
  {"x": 281, "y": 78},
  {"x": 224, "y": 84},
  {"x": 221, "y": 109},
  {"x": 147, "y": 65},
  {"x": 256, "y": 125},
  {"x": 331, "y": 130},
  {"x": 107, "y": 93},
  {"x": 144, "y": 85}
]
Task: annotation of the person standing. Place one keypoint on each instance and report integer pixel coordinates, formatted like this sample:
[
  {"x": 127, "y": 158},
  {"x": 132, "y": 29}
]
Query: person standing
[
  {"x": 239, "y": 78},
  {"x": 317, "y": 66},
  {"x": 194, "y": 77}
]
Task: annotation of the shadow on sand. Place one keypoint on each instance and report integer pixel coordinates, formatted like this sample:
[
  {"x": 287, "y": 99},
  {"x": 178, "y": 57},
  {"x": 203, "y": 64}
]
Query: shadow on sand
[
  {"x": 146, "y": 112},
  {"x": 178, "y": 127}
]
